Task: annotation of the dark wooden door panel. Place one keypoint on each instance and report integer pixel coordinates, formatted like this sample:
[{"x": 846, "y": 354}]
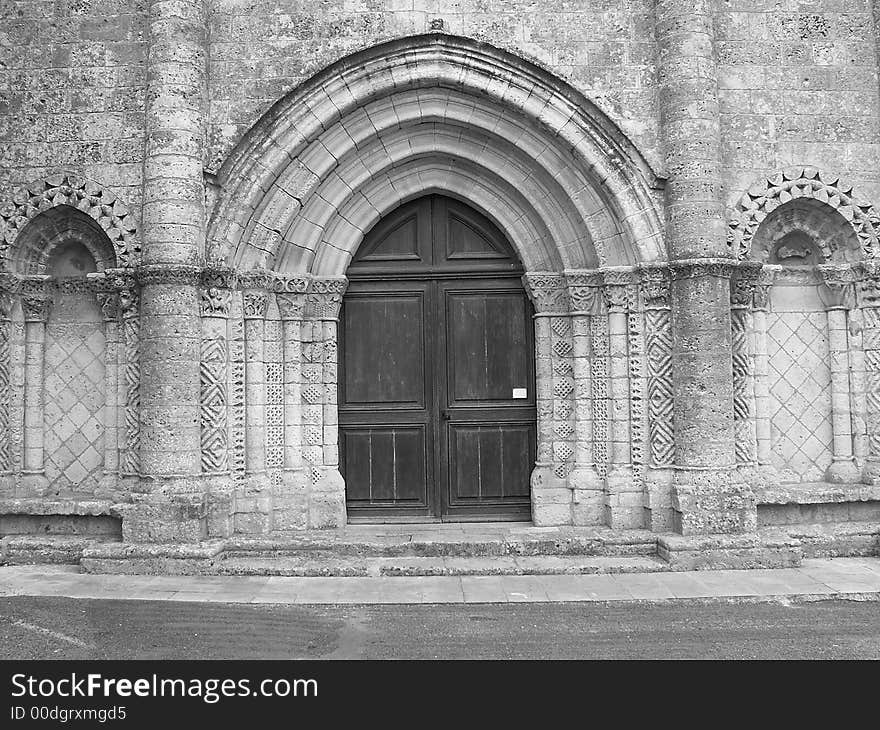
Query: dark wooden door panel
[
  {"x": 385, "y": 466},
  {"x": 384, "y": 353},
  {"x": 487, "y": 340},
  {"x": 491, "y": 463},
  {"x": 436, "y": 389}
]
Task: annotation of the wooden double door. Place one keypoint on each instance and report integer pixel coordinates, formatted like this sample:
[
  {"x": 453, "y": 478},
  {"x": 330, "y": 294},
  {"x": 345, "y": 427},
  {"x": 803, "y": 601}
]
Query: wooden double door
[{"x": 437, "y": 385}]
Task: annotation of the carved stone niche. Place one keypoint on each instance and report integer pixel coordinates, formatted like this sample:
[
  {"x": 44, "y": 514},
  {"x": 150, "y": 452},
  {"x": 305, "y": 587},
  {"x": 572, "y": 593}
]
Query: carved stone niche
[{"x": 795, "y": 249}]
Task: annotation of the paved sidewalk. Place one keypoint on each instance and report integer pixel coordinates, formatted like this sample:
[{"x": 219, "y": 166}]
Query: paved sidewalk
[{"x": 841, "y": 578}]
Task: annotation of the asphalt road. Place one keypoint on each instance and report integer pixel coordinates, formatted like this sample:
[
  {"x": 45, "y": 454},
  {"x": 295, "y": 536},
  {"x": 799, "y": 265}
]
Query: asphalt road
[{"x": 64, "y": 628}]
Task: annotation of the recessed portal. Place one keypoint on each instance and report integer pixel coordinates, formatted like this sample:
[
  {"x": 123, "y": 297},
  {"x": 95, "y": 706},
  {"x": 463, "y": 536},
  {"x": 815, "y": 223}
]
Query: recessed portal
[{"x": 437, "y": 391}]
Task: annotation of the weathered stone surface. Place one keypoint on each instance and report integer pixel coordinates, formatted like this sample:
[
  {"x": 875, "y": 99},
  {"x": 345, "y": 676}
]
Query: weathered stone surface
[{"x": 690, "y": 186}]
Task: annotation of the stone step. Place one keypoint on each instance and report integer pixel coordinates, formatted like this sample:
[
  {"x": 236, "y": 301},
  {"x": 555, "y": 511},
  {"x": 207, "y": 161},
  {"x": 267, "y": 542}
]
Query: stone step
[
  {"x": 47, "y": 549},
  {"x": 405, "y": 566},
  {"x": 401, "y": 544}
]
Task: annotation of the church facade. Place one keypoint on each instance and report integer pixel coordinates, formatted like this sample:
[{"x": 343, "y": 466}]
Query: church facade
[{"x": 276, "y": 267}]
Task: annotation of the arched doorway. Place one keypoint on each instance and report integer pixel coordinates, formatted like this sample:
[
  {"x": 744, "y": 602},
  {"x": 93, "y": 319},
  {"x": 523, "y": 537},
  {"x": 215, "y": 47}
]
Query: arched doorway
[{"x": 437, "y": 385}]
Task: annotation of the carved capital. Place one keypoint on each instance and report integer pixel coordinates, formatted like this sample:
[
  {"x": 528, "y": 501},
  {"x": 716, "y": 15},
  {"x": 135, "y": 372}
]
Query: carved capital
[
  {"x": 36, "y": 298},
  {"x": 617, "y": 283},
  {"x": 766, "y": 278},
  {"x": 129, "y": 301},
  {"x": 216, "y": 292},
  {"x": 6, "y": 301},
  {"x": 254, "y": 303},
  {"x": 254, "y": 279},
  {"x": 584, "y": 290},
  {"x": 868, "y": 283},
  {"x": 324, "y": 297},
  {"x": 656, "y": 285},
  {"x": 840, "y": 286},
  {"x": 291, "y": 306},
  {"x": 168, "y": 274},
  {"x": 109, "y": 303},
  {"x": 695, "y": 268},
  {"x": 744, "y": 282},
  {"x": 548, "y": 292}
]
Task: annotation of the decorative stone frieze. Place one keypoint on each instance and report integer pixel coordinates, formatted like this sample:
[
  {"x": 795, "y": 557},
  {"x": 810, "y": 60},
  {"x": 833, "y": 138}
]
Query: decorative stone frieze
[{"x": 743, "y": 283}]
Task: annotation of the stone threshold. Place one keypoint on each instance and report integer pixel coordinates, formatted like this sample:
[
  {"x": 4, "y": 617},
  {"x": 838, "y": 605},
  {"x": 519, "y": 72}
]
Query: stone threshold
[{"x": 401, "y": 551}]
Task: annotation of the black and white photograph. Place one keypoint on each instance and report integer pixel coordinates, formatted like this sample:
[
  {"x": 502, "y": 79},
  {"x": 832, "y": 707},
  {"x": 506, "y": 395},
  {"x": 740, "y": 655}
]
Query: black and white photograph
[{"x": 431, "y": 330}]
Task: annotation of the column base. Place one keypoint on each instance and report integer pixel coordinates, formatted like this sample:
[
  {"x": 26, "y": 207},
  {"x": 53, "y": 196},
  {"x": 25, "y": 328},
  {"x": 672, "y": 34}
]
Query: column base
[
  {"x": 712, "y": 501},
  {"x": 624, "y": 505},
  {"x": 220, "y": 494},
  {"x": 326, "y": 498},
  {"x": 658, "y": 510},
  {"x": 167, "y": 510},
  {"x": 843, "y": 470},
  {"x": 551, "y": 498},
  {"x": 253, "y": 507},
  {"x": 292, "y": 501},
  {"x": 587, "y": 496},
  {"x": 34, "y": 484}
]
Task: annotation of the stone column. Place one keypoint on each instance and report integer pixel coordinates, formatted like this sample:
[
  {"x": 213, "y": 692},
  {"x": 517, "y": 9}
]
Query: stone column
[
  {"x": 216, "y": 296},
  {"x": 108, "y": 300},
  {"x": 6, "y": 471},
  {"x": 869, "y": 301},
  {"x": 742, "y": 289},
  {"x": 550, "y": 486},
  {"x": 839, "y": 298},
  {"x": 655, "y": 285},
  {"x": 766, "y": 472},
  {"x": 253, "y": 510},
  {"x": 707, "y": 495},
  {"x": 588, "y": 495},
  {"x": 36, "y": 303},
  {"x": 171, "y": 506},
  {"x": 292, "y": 508},
  {"x": 320, "y": 417},
  {"x": 624, "y": 504}
]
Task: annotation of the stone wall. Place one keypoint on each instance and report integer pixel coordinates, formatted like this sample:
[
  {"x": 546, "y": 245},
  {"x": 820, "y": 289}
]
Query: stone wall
[
  {"x": 72, "y": 92},
  {"x": 645, "y": 158}
]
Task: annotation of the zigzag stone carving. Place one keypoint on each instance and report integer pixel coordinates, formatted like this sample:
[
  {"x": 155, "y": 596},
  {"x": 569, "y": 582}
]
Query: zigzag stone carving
[
  {"x": 98, "y": 202},
  {"x": 769, "y": 193}
]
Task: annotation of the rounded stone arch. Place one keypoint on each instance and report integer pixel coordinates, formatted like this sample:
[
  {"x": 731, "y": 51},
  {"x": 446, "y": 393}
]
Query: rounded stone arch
[
  {"x": 842, "y": 225},
  {"x": 547, "y": 166},
  {"x": 41, "y": 213}
]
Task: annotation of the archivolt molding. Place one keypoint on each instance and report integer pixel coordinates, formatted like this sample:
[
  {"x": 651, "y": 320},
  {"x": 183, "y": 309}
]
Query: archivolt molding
[
  {"x": 420, "y": 99},
  {"x": 771, "y": 192},
  {"x": 76, "y": 191}
]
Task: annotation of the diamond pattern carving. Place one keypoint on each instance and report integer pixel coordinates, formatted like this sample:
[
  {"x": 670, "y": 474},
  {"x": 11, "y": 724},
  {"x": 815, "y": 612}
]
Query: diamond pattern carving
[
  {"x": 800, "y": 395},
  {"x": 74, "y": 410}
]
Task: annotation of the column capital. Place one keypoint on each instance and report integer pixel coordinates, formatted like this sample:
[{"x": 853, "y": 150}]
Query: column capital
[
  {"x": 547, "y": 291},
  {"x": 324, "y": 297},
  {"x": 216, "y": 291},
  {"x": 616, "y": 284},
  {"x": 744, "y": 283},
  {"x": 655, "y": 283},
  {"x": 766, "y": 279},
  {"x": 255, "y": 295},
  {"x": 584, "y": 290},
  {"x": 291, "y": 306},
  {"x": 109, "y": 303},
  {"x": 36, "y": 297},
  {"x": 868, "y": 283},
  {"x": 840, "y": 286}
]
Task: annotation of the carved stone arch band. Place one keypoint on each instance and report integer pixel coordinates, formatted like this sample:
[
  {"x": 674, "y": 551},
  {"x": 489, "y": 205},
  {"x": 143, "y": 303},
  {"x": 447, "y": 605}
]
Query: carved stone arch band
[
  {"x": 76, "y": 191},
  {"x": 768, "y": 193}
]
